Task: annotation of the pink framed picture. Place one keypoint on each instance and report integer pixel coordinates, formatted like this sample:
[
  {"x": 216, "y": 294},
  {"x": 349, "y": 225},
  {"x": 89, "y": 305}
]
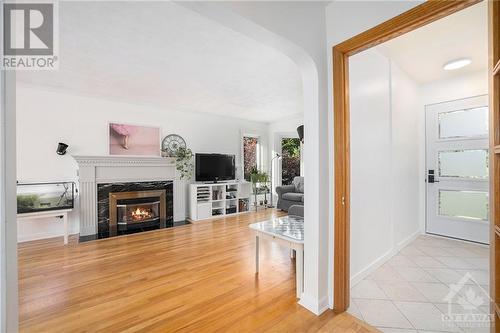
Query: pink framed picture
[{"x": 125, "y": 139}]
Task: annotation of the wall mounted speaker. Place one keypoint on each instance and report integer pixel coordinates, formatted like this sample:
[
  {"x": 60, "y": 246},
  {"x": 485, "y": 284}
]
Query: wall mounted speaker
[{"x": 300, "y": 131}]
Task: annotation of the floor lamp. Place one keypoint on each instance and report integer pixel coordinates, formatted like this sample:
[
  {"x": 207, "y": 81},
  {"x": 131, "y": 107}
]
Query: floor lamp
[{"x": 271, "y": 174}]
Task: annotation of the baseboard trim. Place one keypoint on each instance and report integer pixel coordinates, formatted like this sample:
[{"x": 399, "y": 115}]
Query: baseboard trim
[
  {"x": 383, "y": 259},
  {"x": 314, "y": 305},
  {"x": 456, "y": 239},
  {"x": 372, "y": 267},
  {"x": 87, "y": 238},
  {"x": 408, "y": 240},
  {"x": 87, "y": 231},
  {"x": 324, "y": 304}
]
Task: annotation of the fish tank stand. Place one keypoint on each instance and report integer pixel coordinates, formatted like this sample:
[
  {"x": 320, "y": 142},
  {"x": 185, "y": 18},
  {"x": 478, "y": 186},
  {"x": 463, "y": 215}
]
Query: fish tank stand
[
  {"x": 43, "y": 200},
  {"x": 62, "y": 214}
]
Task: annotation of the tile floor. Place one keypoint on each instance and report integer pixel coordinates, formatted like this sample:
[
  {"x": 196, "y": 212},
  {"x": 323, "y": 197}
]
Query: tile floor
[{"x": 407, "y": 293}]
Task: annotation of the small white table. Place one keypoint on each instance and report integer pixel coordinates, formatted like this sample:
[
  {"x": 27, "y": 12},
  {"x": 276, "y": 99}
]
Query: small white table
[
  {"x": 51, "y": 213},
  {"x": 289, "y": 232}
]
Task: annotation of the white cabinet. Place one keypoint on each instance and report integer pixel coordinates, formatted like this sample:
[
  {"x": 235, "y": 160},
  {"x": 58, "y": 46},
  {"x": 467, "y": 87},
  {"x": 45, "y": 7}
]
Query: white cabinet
[
  {"x": 219, "y": 199},
  {"x": 204, "y": 210}
]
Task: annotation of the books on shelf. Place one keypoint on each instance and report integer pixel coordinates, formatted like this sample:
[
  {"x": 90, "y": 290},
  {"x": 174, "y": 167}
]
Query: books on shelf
[{"x": 203, "y": 194}]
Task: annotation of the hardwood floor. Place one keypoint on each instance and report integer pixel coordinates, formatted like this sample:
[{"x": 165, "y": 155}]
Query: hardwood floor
[{"x": 192, "y": 278}]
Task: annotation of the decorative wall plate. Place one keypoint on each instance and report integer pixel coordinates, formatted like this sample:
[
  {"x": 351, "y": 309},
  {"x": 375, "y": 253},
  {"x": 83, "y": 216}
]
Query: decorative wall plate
[{"x": 171, "y": 144}]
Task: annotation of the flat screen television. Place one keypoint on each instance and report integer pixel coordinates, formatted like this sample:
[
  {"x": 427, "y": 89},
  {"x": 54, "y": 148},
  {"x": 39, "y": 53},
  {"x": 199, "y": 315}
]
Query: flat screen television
[{"x": 214, "y": 167}]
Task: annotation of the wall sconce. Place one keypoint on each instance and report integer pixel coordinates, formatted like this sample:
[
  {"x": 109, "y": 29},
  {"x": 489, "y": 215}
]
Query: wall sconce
[{"x": 61, "y": 148}]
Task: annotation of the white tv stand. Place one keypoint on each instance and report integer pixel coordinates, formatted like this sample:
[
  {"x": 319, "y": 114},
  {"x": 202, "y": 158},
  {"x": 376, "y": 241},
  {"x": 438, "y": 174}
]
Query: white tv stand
[{"x": 213, "y": 200}]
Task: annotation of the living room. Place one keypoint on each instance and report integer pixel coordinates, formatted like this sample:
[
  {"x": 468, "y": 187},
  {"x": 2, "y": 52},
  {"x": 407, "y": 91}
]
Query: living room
[
  {"x": 144, "y": 96},
  {"x": 189, "y": 137},
  {"x": 208, "y": 101}
]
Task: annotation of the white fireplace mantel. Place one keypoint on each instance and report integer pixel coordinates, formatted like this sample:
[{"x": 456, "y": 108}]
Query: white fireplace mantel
[
  {"x": 93, "y": 170},
  {"x": 124, "y": 160}
]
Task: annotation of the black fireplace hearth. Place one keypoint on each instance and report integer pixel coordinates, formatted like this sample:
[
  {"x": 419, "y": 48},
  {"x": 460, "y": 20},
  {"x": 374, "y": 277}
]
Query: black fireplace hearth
[{"x": 125, "y": 208}]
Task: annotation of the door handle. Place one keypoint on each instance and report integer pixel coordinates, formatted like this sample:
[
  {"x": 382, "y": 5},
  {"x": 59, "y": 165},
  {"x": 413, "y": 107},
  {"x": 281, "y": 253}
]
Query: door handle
[{"x": 431, "y": 177}]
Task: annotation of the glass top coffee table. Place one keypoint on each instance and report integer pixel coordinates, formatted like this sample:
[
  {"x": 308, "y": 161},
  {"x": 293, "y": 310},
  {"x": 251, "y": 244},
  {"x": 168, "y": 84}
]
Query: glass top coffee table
[{"x": 287, "y": 231}]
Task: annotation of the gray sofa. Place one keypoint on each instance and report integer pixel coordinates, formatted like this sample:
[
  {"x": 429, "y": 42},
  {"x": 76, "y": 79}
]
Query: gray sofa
[{"x": 289, "y": 195}]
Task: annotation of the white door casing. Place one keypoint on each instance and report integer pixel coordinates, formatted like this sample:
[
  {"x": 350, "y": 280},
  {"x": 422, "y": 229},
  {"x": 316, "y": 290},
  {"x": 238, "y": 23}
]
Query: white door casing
[{"x": 457, "y": 169}]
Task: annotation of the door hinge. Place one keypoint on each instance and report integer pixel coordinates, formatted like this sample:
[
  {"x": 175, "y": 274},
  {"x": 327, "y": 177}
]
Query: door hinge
[{"x": 343, "y": 201}]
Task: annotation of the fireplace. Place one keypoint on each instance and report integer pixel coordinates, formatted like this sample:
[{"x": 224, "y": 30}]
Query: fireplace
[
  {"x": 125, "y": 208},
  {"x": 136, "y": 210}
]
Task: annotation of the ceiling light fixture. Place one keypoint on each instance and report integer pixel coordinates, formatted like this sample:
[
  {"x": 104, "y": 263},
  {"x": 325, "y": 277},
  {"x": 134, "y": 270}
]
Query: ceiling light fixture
[{"x": 456, "y": 64}]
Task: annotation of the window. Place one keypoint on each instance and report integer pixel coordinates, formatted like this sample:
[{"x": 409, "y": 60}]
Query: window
[
  {"x": 290, "y": 162},
  {"x": 250, "y": 155},
  {"x": 463, "y": 123},
  {"x": 466, "y": 163},
  {"x": 464, "y": 204}
]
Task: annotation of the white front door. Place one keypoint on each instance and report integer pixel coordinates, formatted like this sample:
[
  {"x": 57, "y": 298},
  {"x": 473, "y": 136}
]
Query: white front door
[{"x": 457, "y": 169}]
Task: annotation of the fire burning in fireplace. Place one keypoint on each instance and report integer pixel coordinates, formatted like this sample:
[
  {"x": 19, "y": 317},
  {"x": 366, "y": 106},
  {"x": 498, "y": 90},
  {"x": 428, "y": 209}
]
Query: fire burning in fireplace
[
  {"x": 140, "y": 214},
  {"x": 132, "y": 212}
]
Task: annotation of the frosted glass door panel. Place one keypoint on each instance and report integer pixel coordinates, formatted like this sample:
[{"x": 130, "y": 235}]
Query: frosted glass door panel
[
  {"x": 463, "y": 123},
  {"x": 471, "y": 163},
  {"x": 464, "y": 204}
]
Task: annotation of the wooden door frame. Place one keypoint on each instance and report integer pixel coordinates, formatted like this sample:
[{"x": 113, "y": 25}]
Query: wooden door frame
[{"x": 415, "y": 18}]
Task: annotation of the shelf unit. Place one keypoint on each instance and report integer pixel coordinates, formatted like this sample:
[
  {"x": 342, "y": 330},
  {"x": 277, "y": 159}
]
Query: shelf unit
[
  {"x": 494, "y": 30},
  {"x": 208, "y": 201}
]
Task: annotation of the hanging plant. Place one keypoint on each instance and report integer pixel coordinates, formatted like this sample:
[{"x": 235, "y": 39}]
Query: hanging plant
[{"x": 184, "y": 162}]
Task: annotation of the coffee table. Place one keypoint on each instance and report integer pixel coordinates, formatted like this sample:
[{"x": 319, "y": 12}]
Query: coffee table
[{"x": 287, "y": 231}]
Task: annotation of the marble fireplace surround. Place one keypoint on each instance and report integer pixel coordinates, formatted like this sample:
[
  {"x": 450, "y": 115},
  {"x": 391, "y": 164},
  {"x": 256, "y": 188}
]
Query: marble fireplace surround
[{"x": 94, "y": 170}]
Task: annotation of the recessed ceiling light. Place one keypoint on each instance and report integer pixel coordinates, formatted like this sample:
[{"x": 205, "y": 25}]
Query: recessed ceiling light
[{"x": 456, "y": 64}]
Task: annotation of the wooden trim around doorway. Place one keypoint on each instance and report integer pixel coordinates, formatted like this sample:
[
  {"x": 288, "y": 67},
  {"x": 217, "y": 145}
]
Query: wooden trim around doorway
[
  {"x": 415, "y": 18},
  {"x": 494, "y": 92}
]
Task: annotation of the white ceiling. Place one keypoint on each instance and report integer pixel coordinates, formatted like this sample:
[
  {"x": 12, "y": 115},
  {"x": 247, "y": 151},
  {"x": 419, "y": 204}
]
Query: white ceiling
[
  {"x": 423, "y": 52},
  {"x": 162, "y": 54}
]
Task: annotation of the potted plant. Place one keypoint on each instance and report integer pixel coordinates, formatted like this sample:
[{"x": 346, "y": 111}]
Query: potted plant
[
  {"x": 258, "y": 177},
  {"x": 184, "y": 162}
]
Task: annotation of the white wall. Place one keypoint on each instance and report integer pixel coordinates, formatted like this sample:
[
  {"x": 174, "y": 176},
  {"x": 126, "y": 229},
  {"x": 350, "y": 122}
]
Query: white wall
[
  {"x": 370, "y": 103},
  {"x": 407, "y": 165},
  {"x": 286, "y": 126},
  {"x": 464, "y": 86},
  {"x": 385, "y": 187},
  {"x": 46, "y": 117}
]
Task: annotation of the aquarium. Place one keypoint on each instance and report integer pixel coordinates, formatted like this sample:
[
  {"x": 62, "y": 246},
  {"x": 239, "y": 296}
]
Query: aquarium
[{"x": 40, "y": 197}]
